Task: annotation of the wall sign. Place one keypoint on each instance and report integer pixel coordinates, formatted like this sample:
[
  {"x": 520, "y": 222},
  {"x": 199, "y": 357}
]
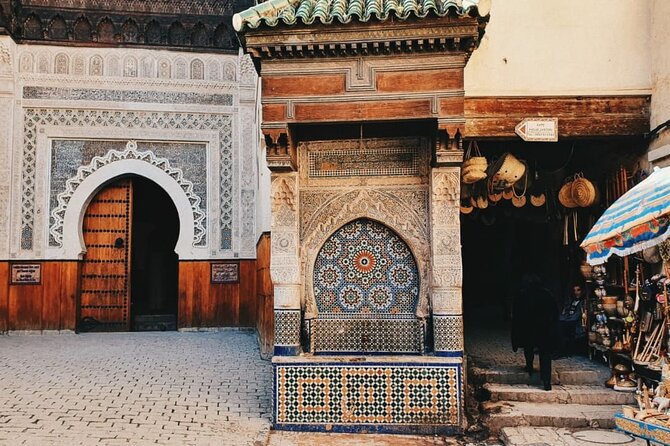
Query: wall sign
[
  {"x": 538, "y": 129},
  {"x": 25, "y": 274},
  {"x": 225, "y": 272}
]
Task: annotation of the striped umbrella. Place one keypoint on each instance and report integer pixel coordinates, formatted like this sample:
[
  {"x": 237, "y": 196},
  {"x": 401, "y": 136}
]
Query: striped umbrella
[{"x": 639, "y": 219}]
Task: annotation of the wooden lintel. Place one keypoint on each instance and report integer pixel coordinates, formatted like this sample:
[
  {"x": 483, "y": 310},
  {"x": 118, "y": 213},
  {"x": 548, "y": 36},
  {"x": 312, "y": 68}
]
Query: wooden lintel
[{"x": 578, "y": 116}]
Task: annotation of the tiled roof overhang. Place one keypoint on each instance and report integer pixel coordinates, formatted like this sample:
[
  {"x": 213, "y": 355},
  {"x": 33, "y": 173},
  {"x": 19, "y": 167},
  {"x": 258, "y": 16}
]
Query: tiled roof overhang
[{"x": 291, "y": 12}]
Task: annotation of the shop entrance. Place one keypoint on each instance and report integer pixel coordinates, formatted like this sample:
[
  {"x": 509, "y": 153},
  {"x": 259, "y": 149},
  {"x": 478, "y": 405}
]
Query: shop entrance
[
  {"x": 129, "y": 272},
  {"x": 528, "y": 230}
]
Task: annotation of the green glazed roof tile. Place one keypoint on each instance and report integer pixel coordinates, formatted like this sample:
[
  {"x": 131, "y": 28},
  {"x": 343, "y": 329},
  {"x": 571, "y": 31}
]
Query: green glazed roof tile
[{"x": 291, "y": 12}]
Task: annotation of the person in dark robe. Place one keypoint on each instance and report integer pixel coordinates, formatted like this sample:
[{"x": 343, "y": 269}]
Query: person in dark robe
[
  {"x": 570, "y": 320},
  {"x": 535, "y": 325}
]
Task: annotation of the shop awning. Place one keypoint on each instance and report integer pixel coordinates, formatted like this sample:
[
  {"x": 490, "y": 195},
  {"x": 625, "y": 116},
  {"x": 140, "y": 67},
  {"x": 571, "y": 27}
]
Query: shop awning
[
  {"x": 637, "y": 220},
  {"x": 307, "y": 12}
]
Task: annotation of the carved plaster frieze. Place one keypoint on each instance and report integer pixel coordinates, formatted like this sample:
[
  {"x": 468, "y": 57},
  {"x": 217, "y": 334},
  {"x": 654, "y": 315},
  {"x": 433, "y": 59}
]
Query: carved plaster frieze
[
  {"x": 130, "y": 152},
  {"x": 447, "y": 300},
  {"x": 5, "y": 60}
]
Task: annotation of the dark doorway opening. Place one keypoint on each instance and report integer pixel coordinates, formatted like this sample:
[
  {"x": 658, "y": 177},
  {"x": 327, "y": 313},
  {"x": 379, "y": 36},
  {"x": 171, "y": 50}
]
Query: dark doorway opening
[{"x": 154, "y": 272}]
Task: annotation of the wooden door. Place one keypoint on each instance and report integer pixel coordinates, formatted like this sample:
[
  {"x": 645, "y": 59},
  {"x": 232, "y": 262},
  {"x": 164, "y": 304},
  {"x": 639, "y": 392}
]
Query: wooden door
[{"x": 104, "y": 303}]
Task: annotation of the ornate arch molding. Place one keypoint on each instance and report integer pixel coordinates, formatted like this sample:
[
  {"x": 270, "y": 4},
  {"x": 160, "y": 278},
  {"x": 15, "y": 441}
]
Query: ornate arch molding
[
  {"x": 68, "y": 216},
  {"x": 384, "y": 207}
]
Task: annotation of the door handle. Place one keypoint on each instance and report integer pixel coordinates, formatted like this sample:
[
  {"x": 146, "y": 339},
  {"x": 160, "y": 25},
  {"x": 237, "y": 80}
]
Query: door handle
[{"x": 118, "y": 243}]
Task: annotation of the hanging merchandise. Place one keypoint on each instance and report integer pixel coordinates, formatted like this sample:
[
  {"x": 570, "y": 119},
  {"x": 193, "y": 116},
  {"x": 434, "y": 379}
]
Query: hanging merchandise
[
  {"x": 565, "y": 195},
  {"x": 506, "y": 171},
  {"x": 583, "y": 191},
  {"x": 474, "y": 166}
]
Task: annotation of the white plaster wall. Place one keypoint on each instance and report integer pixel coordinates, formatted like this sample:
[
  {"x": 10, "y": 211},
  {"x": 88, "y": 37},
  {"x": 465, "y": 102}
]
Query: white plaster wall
[
  {"x": 660, "y": 69},
  {"x": 567, "y": 47}
]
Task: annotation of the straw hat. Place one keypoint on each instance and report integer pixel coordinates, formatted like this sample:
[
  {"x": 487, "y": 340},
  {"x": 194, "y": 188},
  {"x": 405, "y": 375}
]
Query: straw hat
[
  {"x": 583, "y": 191},
  {"x": 506, "y": 171},
  {"x": 565, "y": 196}
]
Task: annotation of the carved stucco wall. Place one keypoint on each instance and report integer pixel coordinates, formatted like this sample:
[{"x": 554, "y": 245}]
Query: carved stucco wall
[{"x": 185, "y": 99}]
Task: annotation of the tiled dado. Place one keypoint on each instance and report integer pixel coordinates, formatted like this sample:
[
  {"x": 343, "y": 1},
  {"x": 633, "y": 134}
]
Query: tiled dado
[
  {"x": 287, "y": 332},
  {"x": 349, "y": 394},
  {"x": 448, "y": 335}
]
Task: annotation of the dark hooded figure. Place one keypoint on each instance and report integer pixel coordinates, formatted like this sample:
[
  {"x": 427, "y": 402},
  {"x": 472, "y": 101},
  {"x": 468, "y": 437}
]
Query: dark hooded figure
[{"x": 535, "y": 325}]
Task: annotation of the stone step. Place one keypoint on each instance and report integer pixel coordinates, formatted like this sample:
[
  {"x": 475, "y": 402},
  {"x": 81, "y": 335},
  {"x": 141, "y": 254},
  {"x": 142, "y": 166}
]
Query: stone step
[
  {"x": 513, "y": 414},
  {"x": 595, "y": 376},
  {"x": 535, "y": 436},
  {"x": 559, "y": 394}
]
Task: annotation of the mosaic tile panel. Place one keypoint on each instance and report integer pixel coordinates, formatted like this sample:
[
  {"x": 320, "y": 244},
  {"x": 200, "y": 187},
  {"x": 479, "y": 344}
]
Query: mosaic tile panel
[
  {"x": 184, "y": 160},
  {"x": 140, "y": 96},
  {"x": 287, "y": 327},
  {"x": 364, "y": 267},
  {"x": 36, "y": 118},
  {"x": 366, "y": 335},
  {"x": 367, "y": 394},
  {"x": 448, "y": 333},
  {"x": 387, "y": 161}
]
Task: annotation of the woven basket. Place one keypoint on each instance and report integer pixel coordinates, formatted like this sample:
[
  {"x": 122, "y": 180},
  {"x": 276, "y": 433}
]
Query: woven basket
[
  {"x": 583, "y": 191},
  {"x": 465, "y": 209},
  {"x": 506, "y": 171},
  {"x": 538, "y": 200},
  {"x": 508, "y": 193},
  {"x": 474, "y": 166},
  {"x": 565, "y": 196},
  {"x": 519, "y": 201},
  {"x": 473, "y": 173},
  {"x": 495, "y": 197}
]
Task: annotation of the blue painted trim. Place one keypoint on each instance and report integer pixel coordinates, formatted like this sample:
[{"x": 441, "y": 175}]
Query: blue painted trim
[
  {"x": 422, "y": 429},
  {"x": 287, "y": 350},
  {"x": 447, "y": 354}
]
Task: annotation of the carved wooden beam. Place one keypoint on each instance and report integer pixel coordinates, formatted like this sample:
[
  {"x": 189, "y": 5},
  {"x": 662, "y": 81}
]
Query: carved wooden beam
[
  {"x": 448, "y": 146},
  {"x": 281, "y": 154}
]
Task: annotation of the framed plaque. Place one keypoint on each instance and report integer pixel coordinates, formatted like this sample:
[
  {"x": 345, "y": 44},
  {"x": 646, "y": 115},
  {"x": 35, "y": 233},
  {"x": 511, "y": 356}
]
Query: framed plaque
[
  {"x": 25, "y": 274},
  {"x": 225, "y": 272}
]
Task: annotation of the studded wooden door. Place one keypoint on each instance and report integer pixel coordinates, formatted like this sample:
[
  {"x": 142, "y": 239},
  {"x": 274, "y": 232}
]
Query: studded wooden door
[{"x": 105, "y": 279}]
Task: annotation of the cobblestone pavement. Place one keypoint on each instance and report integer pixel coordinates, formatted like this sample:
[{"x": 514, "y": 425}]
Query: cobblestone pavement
[{"x": 134, "y": 388}]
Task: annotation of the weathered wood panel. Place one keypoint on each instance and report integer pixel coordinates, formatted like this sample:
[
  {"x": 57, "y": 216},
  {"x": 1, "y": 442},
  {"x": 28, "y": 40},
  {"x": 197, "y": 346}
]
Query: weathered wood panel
[
  {"x": 205, "y": 304},
  {"x": 4, "y": 296},
  {"x": 105, "y": 278},
  {"x": 357, "y": 111},
  {"x": 420, "y": 81},
  {"x": 306, "y": 85},
  {"x": 577, "y": 116},
  {"x": 274, "y": 112},
  {"x": 50, "y": 305},
  {"x": 265, "y": 292}
]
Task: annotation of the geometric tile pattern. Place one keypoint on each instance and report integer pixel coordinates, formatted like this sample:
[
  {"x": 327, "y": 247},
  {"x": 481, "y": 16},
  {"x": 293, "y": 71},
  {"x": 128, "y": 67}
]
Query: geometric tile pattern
[
  {"x": 287, "y": 327},
  {"x": 36, "y": 118},
  {"x": 366, "y": 335},
  {"x": 367, "y": 394},
  {"x": 448, "y": 333},
  {"x": 365, "y": 268},
  {"x": 389, "y": 161}
]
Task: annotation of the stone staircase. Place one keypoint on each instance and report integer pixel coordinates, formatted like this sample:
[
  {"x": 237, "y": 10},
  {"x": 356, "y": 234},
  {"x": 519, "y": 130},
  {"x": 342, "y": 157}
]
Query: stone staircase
[{"x": 578, "y": 399}]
